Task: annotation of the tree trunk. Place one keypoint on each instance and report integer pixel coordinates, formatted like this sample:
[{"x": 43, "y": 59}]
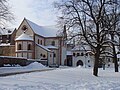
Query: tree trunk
[
  {"x": 114, "y": 55},
  {"x": 115, "y": 59},
  {"x": 95, "y": 69},
  {"x": 116, "y": 64}
]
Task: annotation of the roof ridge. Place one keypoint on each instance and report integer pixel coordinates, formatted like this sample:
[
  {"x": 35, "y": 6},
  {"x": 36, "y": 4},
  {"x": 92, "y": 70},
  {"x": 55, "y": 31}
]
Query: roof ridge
[{"x": 45, "y": 31}]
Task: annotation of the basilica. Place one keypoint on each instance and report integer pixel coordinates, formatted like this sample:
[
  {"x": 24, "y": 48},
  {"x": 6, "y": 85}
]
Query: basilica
[{"x": 44, "y": 44}]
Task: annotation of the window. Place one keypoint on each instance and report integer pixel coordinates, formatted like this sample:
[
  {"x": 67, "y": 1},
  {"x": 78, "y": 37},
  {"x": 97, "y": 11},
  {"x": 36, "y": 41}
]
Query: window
[
  {"x": 19, "y": 47},
  {"x": 24, "y": 28},
  {"x": 108, "y": 59},
  {"x": 78, "y": 54},
  {"x": 41, "y": 55},
  {"x": 38, "y": 41},
  {"x": 53, "y": 43},
  {"x": 86, "y": 54},
  {"x": 44, "y": 56},
  {"x": 73, "y": 54},
  {"x": 88, "y": 61},
  {"x": 29, "y": 46},
  {"x": 54, "y": 55},
  {"x": 41, "y": 42},
  {"x": 82, "y": 54}
]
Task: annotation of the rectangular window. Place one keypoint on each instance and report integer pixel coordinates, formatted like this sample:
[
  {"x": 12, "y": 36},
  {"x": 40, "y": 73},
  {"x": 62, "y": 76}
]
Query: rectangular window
[{"x": 78, "y": 54}]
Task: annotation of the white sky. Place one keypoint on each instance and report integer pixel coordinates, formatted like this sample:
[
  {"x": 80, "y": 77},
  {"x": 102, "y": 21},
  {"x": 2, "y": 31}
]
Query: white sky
[{"x": 41, "y": 12}]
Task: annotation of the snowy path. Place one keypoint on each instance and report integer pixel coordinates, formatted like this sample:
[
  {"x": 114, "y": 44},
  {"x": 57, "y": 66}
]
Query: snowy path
[{"x": 62, "y": 79}]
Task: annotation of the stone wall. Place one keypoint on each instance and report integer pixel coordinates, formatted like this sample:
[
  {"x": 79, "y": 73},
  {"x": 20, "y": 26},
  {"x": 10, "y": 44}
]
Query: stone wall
[{"x": 7, "y": 50}]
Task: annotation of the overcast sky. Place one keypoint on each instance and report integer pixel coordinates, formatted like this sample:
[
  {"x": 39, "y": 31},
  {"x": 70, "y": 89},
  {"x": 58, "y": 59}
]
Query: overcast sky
[{"x": 41, "y": 12}]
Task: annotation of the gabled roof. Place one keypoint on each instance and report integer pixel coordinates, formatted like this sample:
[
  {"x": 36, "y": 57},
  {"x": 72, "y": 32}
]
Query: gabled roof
[
  {"x": 24, "y": 37},
  {"x": 43, "y": 47},
  {"x": 45, "y": 31}
]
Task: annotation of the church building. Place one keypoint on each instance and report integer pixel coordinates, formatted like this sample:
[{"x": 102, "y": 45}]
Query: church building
[{"x": 39, "y": 43}]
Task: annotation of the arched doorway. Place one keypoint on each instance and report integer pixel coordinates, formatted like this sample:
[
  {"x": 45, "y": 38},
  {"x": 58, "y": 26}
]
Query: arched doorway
[{"x": 79, "y": 63}]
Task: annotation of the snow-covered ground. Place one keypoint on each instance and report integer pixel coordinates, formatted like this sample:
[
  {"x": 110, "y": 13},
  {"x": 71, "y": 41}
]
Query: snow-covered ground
[
  {"x": 63, "y": 79},
  {"x": 30, "y": 67}
]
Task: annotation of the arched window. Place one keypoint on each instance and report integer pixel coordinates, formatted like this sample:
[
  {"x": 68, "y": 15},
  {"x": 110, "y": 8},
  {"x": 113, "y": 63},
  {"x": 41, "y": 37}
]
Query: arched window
[
  {"x": 19, "y": 47},
  {"x": 54, "y": 55},
  {"x": 53, "y": 43},
  {"x": 29, "y": 46},
  {"x": 41, "y": 42},
  {"x": 38, "y": 41}
]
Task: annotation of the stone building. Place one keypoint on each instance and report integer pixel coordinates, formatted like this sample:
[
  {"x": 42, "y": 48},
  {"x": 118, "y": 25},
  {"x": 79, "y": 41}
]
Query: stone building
[{"x": 40, "y": 43}]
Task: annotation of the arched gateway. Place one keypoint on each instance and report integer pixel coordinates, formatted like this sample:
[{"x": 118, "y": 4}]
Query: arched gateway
[{"x": 79, "y": 63}]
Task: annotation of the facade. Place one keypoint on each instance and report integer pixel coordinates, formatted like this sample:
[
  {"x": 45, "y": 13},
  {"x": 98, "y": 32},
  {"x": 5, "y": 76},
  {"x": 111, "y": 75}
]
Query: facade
[
  {"x": 79, "y": 55},
  {"x": 39, "y": 43},
  {"x": 7, "y": 43},
  {"x": 83, "y": 56}
]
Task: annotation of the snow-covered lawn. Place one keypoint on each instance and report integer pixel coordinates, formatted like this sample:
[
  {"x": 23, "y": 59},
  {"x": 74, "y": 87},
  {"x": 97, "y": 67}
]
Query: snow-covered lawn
[
  {"x": 63, "y": 79},
  {"x": 32, "y": 67}
]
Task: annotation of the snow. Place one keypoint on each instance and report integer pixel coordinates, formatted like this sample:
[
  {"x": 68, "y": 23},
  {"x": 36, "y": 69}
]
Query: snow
[
  {"x": 30, "y": 67},
  {"x": 5, "y": 44},
  {"x": 4, "y": 31},
  {"x": 78, "y": 78},
  {"x": 45, "y": 48},
  {"x": 69, "y": 53},
  {"x": 35, "y": 65},
  {"x": 118, "y": 55},
  {"x": 24, "y": 37},
  {"x": 45, "y": 31},
  {"x": 51, "y": 47},
  {"x": 81, "y": 48}
]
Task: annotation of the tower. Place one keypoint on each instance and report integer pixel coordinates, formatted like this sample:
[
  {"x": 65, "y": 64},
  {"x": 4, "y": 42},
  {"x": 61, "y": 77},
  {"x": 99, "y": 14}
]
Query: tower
[{"x": 24, "y": 46}]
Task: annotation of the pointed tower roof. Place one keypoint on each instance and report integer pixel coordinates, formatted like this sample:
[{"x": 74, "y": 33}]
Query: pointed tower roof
[{"x": 24, "y": 37}]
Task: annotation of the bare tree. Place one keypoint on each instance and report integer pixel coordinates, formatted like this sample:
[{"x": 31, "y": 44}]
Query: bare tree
[
  {"x": 111, "y": 22},
  {"x": 86, "y": 18},
  {"x": 5, "y": 13}
]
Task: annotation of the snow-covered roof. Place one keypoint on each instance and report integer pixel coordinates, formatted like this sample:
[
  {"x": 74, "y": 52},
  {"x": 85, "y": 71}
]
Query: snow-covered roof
[
  {"x": 81, "y": 48},
  {"x": 24, "y": 37},
  {"x": 43, "y": 47},
  {"x": 51, "y": 47},
  {"x": 69, "y": 53},
  {"x": 4, "y": 31},
  {"x": 45, "y": 31},
  {"x": 5, "y": 44}
]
